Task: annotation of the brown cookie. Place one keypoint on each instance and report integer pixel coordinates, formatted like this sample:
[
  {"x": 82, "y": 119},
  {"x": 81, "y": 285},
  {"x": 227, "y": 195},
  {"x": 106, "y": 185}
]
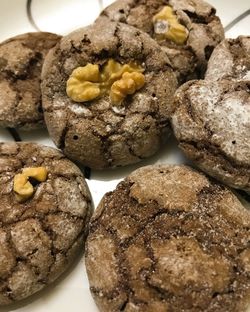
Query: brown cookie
[
  {"x": 212, "y": 125},
  {"x": 100, "y": 133},
  {"x": 41, "y": 232},
  {"x": 188, "y": 44},
  {"x": 230, "y": 60},
  {"x": 21, "y": 60},
  {"x": 168, "y": 239}
]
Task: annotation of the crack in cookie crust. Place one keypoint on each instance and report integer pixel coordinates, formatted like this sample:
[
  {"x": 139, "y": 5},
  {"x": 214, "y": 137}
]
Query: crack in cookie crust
[
  {"x": 234, "y": 54},
  {"x": 21, "y": 60},
  {"x": 97, "y": 133},
  {"x": 189, "y": 60},
  {"x": 40, "y": 237},
  {"x": 212, "y": 124},
  {"x": 169, "y": 239}
]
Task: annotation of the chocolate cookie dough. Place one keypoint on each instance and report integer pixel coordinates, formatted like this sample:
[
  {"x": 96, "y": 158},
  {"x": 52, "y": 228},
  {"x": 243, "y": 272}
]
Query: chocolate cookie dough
[
  {"x": 21, "y": 60},
  {"x": 187, "y": 30},
  {"x": 168, "y": 239},
  {"x": 212, "y": 125},
  {"x": 230, "y": 60},
  {"x": 108, "y": 95},
  {"x": 45, "y": 206}
]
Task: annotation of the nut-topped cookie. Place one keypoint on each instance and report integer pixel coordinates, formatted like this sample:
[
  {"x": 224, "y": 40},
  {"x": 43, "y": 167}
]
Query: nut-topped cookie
[
  {"x": 212, "y": 125},
  {"x": 45, "y": 206},
  {"x": 108, "y": 95},
  {"x": 230, "y": 60},
  {"x": 21, "y": 60},
  {"x": 169, "y": 239},
  {"x": 187, "y": 30}
]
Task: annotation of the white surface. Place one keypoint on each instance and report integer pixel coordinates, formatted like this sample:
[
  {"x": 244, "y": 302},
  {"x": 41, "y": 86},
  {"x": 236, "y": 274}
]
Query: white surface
[
  {"x": 66, "y": 17},
  {"x": 13, "y": 18},
  {"x": 71, "y": 292}
]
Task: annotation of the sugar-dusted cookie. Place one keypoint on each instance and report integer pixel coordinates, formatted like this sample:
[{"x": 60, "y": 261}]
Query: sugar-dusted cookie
[
  {"x": 187, "y": 30},
  {"x": 21, "y": 60},
  {"x": 169, "y": 239},
  {"x": 108, "y": 95},
  {"x": 45, "y": 206},
  {"x": 212, "y": 125},
  {"x": 230, "y": 60}
]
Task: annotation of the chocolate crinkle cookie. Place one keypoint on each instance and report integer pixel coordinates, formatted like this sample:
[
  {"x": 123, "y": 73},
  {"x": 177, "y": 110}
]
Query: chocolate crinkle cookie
[
  {"x": 45, "y": 206},
  {"x": 21, "y": 60},
  {"x": 212, "y": 125},
  {"x": 187, "y": 30},
  {"x": 108, "y": 95},
  {"x": 169, "y": 239},
  {"x": 230, "y": 60}
]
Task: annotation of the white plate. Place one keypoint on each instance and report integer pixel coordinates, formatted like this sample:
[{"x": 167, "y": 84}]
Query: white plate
[{"x": 71, "y": 292}]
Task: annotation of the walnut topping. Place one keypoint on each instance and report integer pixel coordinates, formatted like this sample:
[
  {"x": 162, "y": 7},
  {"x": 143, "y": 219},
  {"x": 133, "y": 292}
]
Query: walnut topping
[
  {"x": 81, "y": 86},
  {"x": 167, "y": 26},
  {"x": 128, "y": 84},
  {"x": 22, "y": 187},
  {"x": 89, "y": 82}
]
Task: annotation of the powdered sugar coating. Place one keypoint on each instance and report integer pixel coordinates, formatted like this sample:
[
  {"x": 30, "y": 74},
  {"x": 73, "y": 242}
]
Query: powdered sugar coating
[
  {"x": 205, "y": 31},
  {"x": 230, "y": 60},
  {"x": 214, "y": 118},
  {"x": 21, "y": 60},
  {"x": 169, "y": 239},
  {"x": 41, "y": 236},
  {"x": 97, "y": 133}
]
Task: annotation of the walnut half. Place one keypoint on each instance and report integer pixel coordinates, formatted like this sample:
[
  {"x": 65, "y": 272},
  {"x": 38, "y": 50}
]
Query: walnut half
[
  {"x": 81, "y": 86},
  {"x": 167, "y": 26},
  {"x": 89, "y": 82},
  {"x": 22, "y": 187},
  {"x": 128, "y": 84}
]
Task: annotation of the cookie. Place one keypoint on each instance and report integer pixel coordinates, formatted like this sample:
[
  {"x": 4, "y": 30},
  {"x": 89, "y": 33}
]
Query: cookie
[
  {"x": 230, "y": 60},
  {"x": 169, "y": 239},
  {"x": 187, "y": 30},
  {"x": 21, "y": 60},
  {"x": 45, "y": 209},
  {"x": 212, "y": 125},
  {"x": 108, "y": 95}
]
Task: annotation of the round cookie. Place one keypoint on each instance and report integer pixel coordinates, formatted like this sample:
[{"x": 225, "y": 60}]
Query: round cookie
[
  {"x": 21, "y": 60},
  {"x": 212, "y": 125},
  {"x": 100, "y": 133},
  {"x": 230, "y": 60},
  {"x": 40, "y": 235},
  {"x": 193, "y": 30},
  {"x": 168, "y": 239}
]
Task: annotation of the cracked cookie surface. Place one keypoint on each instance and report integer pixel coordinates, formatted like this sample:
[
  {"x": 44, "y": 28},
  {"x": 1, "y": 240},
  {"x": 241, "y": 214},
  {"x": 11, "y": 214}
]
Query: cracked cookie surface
[
  {"x": 42, "y": 236},
  {"x": 98, "y": 133},
  {"x": 21, "y": 60},
  {"x": 212, "y": 125},
  {"x": 204, "y": 28},
  {"x": 169, "y": 239},
  {"x": 230, "y": 60}
]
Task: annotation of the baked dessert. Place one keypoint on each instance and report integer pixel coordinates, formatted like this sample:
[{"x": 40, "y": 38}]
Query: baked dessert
[
  {"x": 45, "y": 206},
  {"x": 169, "y": 239},
  {"x": 108, "y": 95},
  {"x": 21, "y": 60},
  {"x": 230, "y": 60},
  {"x": 187, "y": 30},
  {"x": 212, "y": 124}
]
